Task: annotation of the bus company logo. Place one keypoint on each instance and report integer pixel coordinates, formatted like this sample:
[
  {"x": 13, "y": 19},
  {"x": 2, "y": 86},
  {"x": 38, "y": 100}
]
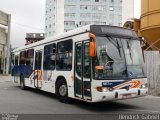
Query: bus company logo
[
  {"x": 131, "y": 84},
  {"x": 107, "y": 84},
  {"x": 37, "y": 74}
]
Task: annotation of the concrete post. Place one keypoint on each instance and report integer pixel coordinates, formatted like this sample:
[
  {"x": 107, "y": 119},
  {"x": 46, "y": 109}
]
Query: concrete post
[{"x": 8, "y": 46}]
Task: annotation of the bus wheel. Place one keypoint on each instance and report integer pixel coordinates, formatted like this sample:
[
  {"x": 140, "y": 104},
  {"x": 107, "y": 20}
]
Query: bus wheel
[
  {"x": 62, "y": 91},
  {"x": 22, "y": 84}
]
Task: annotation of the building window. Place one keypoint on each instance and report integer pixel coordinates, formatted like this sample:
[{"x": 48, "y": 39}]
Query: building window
[
  {"x": 111, "y": 8},
  {"x": 71, "y": 15},
  {"x": 69, "y": 23},
  {"x": 96, "y": 16},
  {"x": 85, "y": 7},
  {"x": 50, "y": 3},
  {"x": 84, "y": 23},
  {"x": 64, "y": 55},
  {"x": 49, "y": 57},
  {"x": 70, "y": 7},
  {"x": 85, "y": 0},
  {"x": 84, "y": 15},
  {"x": 99, "y": 7},
  {"x": 50, "y": 25}
]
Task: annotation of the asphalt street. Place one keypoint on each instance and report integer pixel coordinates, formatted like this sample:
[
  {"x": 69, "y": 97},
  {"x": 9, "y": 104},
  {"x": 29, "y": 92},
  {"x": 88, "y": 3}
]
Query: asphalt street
[{"x": 13, "y": 100}]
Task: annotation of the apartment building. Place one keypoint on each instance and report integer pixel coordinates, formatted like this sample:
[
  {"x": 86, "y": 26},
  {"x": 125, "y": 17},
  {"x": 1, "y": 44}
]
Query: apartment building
[{"x": 65, "y": 15}]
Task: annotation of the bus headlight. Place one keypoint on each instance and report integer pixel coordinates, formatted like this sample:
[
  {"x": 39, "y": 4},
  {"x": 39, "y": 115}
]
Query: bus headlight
[
  {"x": 144, "y": 86},
  {"x": 104, "y": 89}
]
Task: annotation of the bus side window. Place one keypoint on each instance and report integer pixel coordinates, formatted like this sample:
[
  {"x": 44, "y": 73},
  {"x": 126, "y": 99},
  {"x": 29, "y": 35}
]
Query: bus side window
[
  {"x": 16, "y": 60},
  {"x": 64, "y": 55},
  {"x": 29, "y": 58},
  {"x": 22, "y": 58},
  {"x": 13, "y": 59},
  {"x": 49, "y": 57}
]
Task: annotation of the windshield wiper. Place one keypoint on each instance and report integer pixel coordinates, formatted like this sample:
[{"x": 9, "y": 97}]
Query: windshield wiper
[
  {"x": 128, "y": 46},
  {"x": 115, "y": 44}
]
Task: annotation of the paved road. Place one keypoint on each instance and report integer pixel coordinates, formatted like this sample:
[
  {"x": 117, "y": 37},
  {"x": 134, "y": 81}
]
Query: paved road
[{"x": 16, "y": 101}]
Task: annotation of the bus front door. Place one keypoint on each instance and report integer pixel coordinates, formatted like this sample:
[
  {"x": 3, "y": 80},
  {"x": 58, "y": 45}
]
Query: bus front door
[
  {"x": 82, "y": 71},
  {"x": 37, "y": 69}
]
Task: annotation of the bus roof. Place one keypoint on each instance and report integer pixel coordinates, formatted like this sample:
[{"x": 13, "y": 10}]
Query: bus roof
[
  {"x": 55, "y": 37},
  {"x": 76, "y": 31}
]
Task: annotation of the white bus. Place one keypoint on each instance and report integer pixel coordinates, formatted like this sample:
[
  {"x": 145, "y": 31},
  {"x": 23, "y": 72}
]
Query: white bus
[{"x": 93, "y": 63}]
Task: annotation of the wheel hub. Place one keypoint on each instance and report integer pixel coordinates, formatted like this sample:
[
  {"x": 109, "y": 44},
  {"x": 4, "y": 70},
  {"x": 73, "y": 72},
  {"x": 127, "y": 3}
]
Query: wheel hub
[{"x": 63, "y": 90}]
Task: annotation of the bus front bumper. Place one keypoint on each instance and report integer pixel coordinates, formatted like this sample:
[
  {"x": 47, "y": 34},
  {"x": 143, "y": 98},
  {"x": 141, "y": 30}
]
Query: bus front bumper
[{"x": 118, "y": 94}]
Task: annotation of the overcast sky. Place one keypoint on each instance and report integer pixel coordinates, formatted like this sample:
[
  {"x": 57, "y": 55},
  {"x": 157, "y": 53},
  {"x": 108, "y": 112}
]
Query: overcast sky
[
  {"x": 26, "y": 16},
  {"x": 29, "y": 16}
]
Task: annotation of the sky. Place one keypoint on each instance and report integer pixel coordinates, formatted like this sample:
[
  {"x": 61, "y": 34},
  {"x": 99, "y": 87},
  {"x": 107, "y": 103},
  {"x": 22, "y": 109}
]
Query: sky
[{"x": 28, "y": 16}]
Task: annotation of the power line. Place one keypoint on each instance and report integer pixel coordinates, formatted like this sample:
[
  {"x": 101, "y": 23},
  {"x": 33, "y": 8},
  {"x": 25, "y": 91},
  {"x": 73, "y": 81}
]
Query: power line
[
  {"x": 24, "y": 25},
  {"x": 27, "y": 26}
]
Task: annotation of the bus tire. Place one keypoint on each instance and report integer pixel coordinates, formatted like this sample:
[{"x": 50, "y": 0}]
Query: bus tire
[
  {"x": 62, "y": 91},
  {"x": 22, "y": 83}
]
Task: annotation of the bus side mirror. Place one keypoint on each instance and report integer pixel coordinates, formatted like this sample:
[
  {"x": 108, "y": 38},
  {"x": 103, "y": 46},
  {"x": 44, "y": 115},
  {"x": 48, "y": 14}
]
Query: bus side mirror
[
  {"x": 92, "y": 49},
  {"x": 92, "y": 45}
]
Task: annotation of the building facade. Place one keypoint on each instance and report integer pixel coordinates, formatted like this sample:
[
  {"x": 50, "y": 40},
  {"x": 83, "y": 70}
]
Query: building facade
[
  {"x": 65, "y": 15},
  {"x": 5, "y": 20},
  {"x": 34, "y": 37}
]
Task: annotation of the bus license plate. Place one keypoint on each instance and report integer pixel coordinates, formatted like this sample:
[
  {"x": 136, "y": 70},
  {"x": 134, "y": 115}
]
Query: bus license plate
[{"x": 125, "y": 96}]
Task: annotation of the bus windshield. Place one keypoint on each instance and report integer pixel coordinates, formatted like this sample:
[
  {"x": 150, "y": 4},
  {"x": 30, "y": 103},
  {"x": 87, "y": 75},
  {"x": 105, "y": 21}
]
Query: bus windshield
[{"x": 118, "y": 58}]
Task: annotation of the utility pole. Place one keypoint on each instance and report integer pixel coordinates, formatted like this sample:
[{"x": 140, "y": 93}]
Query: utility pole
[{"x": 8, "y": 46}]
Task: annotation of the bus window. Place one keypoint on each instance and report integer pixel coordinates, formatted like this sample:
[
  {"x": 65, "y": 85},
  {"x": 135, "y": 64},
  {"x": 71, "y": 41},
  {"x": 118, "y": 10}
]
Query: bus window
[
  {"x": 29, "y": 58},
  {"x": 64, "y": 55},
  {"x": 49, "y": 57},
  {"x": 16, "y": 60},
  {"x": 79, "y": 59},
  {"x": 86, "y": 61},
  {"x": 22, "y": 57},
  {"x": 38, "y": 60},
  {"x": 13, "y": 60}
]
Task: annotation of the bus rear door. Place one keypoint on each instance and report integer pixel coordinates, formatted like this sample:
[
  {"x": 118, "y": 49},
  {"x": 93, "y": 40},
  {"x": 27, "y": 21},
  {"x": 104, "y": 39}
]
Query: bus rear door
[{"x": 38, "y": 69}]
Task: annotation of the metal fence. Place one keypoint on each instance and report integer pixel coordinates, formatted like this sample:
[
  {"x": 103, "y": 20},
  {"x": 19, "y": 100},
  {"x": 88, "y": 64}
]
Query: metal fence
[{"x": 152, "y": 64}]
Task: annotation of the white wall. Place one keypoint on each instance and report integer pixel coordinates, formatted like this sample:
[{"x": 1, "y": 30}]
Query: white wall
[{"x": 127, "y": 10}]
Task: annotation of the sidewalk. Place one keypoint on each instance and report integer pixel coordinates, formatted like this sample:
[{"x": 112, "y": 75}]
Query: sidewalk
[{"x": 4, "y": 78}]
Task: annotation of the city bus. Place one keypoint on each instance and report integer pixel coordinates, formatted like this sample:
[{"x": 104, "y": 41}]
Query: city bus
[{"x": 94, "y": 63}]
